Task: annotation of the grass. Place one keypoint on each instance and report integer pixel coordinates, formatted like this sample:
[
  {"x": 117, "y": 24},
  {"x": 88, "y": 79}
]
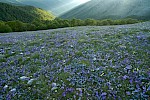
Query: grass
[{"x": 85, "y": 63}]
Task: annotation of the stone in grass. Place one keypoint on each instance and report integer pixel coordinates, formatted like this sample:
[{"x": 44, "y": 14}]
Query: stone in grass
[
  {"x": 71, "y": 46},
  {"x": 54, "y": 85},
  {"x": 128, "y": 67},
  {"x": 42, "y": 47},
  {"x": 94, "y": 59},
  {"x": 12, "y": 52},
  {"x": 5, "y": 87},
  {"x": 23, "y": 78},
  {"x": 21, "y": 53},
  {"x": 13, "y": 90},
  {"x": 54, "y": 89},
  {"x": 30, "y": 82}
]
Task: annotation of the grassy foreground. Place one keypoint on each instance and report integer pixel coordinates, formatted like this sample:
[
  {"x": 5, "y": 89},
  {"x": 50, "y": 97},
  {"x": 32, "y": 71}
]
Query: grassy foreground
[{"x": 84, "y": 63}]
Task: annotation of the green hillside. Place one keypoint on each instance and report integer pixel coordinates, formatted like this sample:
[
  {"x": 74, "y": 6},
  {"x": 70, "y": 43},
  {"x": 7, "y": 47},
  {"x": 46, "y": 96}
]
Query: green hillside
[
  {"x": 114, "y": 9},
  {"x": 23, "y": 13},
  {"x": 58, "y": 7}
]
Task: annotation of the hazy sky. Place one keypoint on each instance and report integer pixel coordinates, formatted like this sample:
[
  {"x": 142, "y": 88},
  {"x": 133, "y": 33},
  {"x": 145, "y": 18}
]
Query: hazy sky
[
  {"x": 66, "y": 6},
  {"x": 82, "y": 1}
]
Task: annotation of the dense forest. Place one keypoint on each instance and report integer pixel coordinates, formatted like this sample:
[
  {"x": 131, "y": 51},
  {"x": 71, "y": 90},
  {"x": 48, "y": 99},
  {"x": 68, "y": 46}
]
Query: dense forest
[{"x": 23, "y": 13}]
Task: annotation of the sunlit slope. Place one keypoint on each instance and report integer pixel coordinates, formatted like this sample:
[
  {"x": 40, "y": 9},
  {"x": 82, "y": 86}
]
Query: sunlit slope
[
  {"x": 57, "y": 7},
  {"x": 23, "y": 13},
  {"x": 114, "y": 9}
]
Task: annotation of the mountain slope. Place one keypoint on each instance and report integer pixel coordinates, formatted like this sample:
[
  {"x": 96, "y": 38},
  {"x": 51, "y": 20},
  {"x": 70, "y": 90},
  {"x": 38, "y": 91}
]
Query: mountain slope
[
  {"x": 56, "y": 6},
  {"x": 10, "y": 1},
  {"x": 114, "y": 9},
  {"x": 23, "y": 13}
]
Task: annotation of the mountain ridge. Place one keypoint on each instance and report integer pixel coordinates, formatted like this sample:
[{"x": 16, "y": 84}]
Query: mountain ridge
[
  {"x": 56, "y": 7},
  {"x": 102, "y": 9}
]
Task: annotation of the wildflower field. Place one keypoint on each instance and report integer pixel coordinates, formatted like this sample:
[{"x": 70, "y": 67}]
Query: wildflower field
[{"x": 76, "y": 63}]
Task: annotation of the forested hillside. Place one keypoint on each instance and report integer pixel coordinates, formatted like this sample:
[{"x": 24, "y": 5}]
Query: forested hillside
[
  {"x": 57, "y": 7},
  {"x": 10, "y": 12}
]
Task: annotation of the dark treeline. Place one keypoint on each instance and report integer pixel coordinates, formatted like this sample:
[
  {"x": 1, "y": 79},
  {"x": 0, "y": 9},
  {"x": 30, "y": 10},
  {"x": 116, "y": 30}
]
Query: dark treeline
[{"x": 18, "y": 26}]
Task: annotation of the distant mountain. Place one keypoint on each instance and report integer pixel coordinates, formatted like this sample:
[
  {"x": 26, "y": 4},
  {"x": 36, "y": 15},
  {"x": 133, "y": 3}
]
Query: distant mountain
[
  {"x": 9, "y": 1},
  {"x": 57, "y": 7},
  {"x": 113, "y": 9},
  {"x": 10, "y": 12}
]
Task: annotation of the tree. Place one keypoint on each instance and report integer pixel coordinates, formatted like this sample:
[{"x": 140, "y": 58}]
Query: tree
[
  {"x": 90, "y": 22},
  {"x": 17, "y": 26},
  {"x": 105, "y": 22},
  {"x": 74, "y": 22},
  {"x": 110, "y": 21},
  {"x": 131, "y": 21},
  {"x": 30, "y": 27},
  {"x": 66, "y": 23},
  {"x": 4, "y": 28}
]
